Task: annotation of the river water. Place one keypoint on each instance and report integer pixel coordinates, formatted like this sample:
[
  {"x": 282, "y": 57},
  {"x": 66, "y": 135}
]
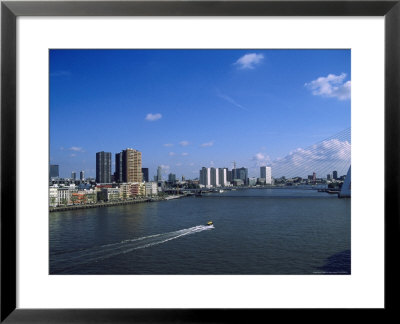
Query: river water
[{"x": 255, "y": 231}]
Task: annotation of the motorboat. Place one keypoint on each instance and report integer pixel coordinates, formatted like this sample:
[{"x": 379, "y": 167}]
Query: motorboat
[{"x": 209, "y": 223}]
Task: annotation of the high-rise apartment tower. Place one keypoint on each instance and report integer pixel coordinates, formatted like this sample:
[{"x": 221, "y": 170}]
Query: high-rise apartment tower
[{"x": 103, "y": 167}]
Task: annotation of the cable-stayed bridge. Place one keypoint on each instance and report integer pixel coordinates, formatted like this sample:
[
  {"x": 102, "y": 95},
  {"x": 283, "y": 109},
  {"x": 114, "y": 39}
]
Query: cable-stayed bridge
[
  {"x": 321, "y": 158},
  {"x": 329, "y": 159}
]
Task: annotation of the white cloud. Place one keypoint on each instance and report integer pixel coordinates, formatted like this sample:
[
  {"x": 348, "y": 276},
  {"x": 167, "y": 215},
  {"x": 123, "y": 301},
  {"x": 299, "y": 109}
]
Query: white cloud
[
  {"x": 153, "y": 117},
  {"x": 185, "y": 154},
  {"x": 248, "y": 61},
  {"x": 261, "y": 159},
  {"x": 168, "y": 145},
  {"x": 171, "y": 153},
  {"x": 208, "y": 144},
  {"x": 76, "y": 149},
  {"x": 178, "y": 164},
  {"x": 184, "y": 143},
  {"x": 191, "y": 164},
  {"x": 331, "y": 86}
]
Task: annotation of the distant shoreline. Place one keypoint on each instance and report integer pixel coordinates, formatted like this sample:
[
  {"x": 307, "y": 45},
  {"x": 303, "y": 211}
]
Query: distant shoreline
[
  {"x": 113, "y": 203},
  {"x": 166, "y": 198}
]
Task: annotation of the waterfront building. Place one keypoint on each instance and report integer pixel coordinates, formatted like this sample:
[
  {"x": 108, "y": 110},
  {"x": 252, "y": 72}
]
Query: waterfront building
[
  {"x": 135, "y": 189},
  {"x": 108, "y": 194},
  {"x": 145, "y": 174},
  {"x": 151, "y": 189},
  {"x": 54, "y": 171},
  {"x": 53, "y": 196},
  {"x": 64, "y": 195},
  {"x": 266, "y": 173},
  {"x": 261, "y": 181},
  {"x": 82, "y": 175},
  {"x": 125, "y": 190},
  {"x": 84, "y": 197},
  {"x": 205, "y": 177},
  {"x": 238, "y": 182},
  {"x": 240, "y": 174},
  {"x": 214, "y": 177},
  {"x": 131, "y": 165},
  {"x": 334, "y": 175},
  {"x": 223, "y": 181},
  {"x": 159, "y": 175},
  {"x": 103, "y": 167},
  {"x": 118, "y": 168},
  {"x": 252, "y": 181}
]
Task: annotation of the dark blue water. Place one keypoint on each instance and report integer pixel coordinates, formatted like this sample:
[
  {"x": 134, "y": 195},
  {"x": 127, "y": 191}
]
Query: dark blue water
[{"x": 256, "y": 231}]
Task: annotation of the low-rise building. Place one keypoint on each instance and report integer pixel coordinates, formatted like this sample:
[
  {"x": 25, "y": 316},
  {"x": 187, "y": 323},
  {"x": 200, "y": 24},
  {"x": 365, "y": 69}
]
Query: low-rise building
[
  {"x": 252, "y": 181},
  {"x": 64, "y": 196},
  {"x": 83, "y": 197},
  {"x": 53, "y": 196},
  {"x": 151, "y": 189},
  {"x": 109, "y": 194},
  {"x": 125, "y": 190}
]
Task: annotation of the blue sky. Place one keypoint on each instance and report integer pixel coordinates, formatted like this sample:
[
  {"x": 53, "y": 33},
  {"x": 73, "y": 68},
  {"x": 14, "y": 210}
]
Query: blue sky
[{"x": 184, "y": 109}]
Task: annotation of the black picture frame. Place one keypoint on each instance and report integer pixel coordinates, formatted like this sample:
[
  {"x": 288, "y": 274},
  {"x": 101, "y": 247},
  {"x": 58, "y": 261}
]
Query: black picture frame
[{"x": 10, "y": 10}]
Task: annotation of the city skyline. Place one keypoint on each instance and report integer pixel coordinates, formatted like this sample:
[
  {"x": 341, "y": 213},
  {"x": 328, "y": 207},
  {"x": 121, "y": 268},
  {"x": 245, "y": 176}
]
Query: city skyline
[{"x": 188, "y": 109}]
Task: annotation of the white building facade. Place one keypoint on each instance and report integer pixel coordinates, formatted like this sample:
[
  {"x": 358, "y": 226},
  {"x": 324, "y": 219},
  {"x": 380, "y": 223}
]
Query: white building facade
[
  {"x": 205, "y": 177},
  {"x": 151, "y": 188},
  {"x": 214, "y": 174},
  {"x": 266, "y": 173},
  {"x": 223, "y": 177}
]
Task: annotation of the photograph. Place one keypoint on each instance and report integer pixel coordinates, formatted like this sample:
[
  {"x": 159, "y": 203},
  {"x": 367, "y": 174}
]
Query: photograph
[{"x": 199, "y": 161}]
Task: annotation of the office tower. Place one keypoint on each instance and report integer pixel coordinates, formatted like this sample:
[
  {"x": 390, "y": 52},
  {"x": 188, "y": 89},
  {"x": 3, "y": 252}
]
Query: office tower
[
  {"x": 145, "y": 174},
  {"x": 54, "y": 171},
  {"x": 328, "y": 177},
  {"x": 314, "y": 176},
  {"x": 266, "y": 173},
  {"x": 103, "y": 167},
  {"x": 229, "y": 175},
  {"x": 118, "y": 168},
  {"x": 131, "y": 165},
  {"x": 205, "y": 176},
  {"x": 159, "y": 177},
  {"x": 82, "y": 175},
  {"x": 214, "y": 173},
  {"x": 222, "y": 176},
  {"x": 240, "y": 174},
  {"x": 171, "y": 177},
  {"x": 73, "y": 175},
  {"x": 334, "y": 174}
]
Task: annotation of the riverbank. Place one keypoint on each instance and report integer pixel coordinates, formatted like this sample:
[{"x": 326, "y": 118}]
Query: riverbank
[{"x": 113, "y": 203}]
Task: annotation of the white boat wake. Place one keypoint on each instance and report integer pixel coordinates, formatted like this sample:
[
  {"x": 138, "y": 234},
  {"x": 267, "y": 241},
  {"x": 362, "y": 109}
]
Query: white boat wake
[{"x": 71, "y": 259}]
